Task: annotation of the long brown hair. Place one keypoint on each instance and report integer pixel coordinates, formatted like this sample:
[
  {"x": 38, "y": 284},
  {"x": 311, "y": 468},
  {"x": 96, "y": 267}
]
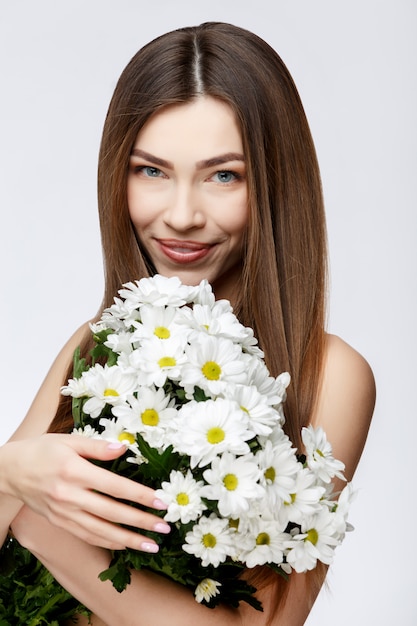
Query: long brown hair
[{"x": 284, "y": 269}]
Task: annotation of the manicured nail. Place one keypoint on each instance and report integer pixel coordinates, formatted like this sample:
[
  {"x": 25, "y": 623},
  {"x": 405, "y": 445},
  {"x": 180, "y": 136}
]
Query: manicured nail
[
  {"x": 149, "y": 547},
  {"x": 161, "y": 527},
  {"x": 115, "y": 446},
  {"x": 158, "y": 504}
]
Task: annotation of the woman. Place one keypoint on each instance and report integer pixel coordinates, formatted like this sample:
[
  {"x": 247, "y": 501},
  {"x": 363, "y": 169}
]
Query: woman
[{"x": 207, "y": 170}]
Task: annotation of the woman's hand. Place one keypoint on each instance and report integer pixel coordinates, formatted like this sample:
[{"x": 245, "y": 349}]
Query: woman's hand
[{"x": 52, "y": 476}]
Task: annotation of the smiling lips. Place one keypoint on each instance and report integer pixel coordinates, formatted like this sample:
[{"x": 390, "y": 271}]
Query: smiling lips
[{"x": 184, "y": 251}]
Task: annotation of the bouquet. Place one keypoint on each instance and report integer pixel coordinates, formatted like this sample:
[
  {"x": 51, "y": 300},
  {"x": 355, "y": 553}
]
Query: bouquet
[{"x": 182, "y": 383}]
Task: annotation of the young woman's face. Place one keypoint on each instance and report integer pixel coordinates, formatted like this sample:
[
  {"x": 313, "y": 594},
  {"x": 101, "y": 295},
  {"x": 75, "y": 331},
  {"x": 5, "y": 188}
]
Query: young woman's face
[{"x": 187, "y": 193}]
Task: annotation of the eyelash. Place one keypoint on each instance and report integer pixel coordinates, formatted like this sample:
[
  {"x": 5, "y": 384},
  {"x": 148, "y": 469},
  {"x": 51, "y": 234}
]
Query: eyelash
[
  {"x": 157, "y": 173},
  {"x": 235, "y": 176},
  {"x": 138, "y": 169}
]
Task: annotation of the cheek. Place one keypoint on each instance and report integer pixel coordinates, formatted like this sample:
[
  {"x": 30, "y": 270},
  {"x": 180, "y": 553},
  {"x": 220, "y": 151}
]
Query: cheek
[
  {"x": 140, "y": 210},
  {"x": 237, "y": 222}
]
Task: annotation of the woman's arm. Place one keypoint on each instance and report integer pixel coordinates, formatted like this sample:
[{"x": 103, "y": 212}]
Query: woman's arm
[
  {"x": 51, "y": 474},
  {"x": 344, "y": 410}
]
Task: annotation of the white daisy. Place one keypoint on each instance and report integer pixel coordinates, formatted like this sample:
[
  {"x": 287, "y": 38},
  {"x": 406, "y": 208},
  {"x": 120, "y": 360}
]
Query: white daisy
[
  {"x": 215, "y": 319},
  {"x": 272, "y": 389},
  {"x": 341, "y": 510},
  {"x": 210, "y": 540},
  {"x": 150, "y": 414},
  {"x": 207, "y": 429},
  {"x": 303, "y": 501},
  {"x": 182, "y": 494},
  {"x": 262, "y": 417},
  {"x": 157, "y": 321},
  {"x": 202, "y": 293},
  {"x": 76, "y": 388},
  {"x": 87, "y": 431},
  {"x": 106, "y": 385},
  {"x": 233, "y": 481},
  {"x": 119, "y": 316},
  {"x": 120, "y": 342},
  {"x": 159, "y": 359},
  {"x": 264, "y": 542},
  {"x": 114, "y": 431},
  {"x": 207, "y": 589},
  {"x": 315, "y": 542},
  {"x": 320, "y": 456},
  {"x": 212, "y": 363},
  {"x": 279, "y": 467},
  {"x": 157, "y": 290}
]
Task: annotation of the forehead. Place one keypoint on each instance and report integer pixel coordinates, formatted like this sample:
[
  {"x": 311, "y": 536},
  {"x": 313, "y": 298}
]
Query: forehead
[{"x": 204, "y": 122}]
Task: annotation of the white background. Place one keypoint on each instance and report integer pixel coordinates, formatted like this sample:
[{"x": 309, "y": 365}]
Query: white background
[{"x": 355, "y": 67}]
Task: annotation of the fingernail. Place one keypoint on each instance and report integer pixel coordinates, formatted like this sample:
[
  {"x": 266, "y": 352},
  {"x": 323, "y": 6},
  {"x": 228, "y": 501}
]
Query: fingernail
[
  {"x": 115, "y": 446},
  {"x": 149, "y": 547},
  {"x": 160, "y": 527},
  {"x": 158, "y": 504}
]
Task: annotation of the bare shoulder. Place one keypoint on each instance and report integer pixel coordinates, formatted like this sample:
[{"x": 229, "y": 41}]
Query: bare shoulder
[
  {"x": 45, "y": 403},
  {"x": 346, "y": 401}
]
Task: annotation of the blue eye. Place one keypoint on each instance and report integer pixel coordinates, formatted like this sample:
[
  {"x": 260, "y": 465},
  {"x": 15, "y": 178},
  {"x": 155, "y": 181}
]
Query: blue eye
[
  {"x": 225, "y": 176},
  {"x": 152, "y": 172}
]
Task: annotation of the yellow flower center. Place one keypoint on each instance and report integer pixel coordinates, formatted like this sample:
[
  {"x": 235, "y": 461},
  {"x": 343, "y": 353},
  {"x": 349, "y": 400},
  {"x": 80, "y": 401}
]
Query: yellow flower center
[
  {"x": 263, "y": 539},
  {"x": 150, "y": 417},
  {"x": 270, "y": 474},
  {"x": 127, "y": 437},
  {"x": 231, "y": 482},
  {"x": 162, "y": 332},
  {"x": 312, "y": 536},
  {"x": 209, "y": 540},
  {"x": 167, "y": 361},
  {"x": 234, "y": 523},
  {"x": 211, "y": 370},
  {"x": 215, "y": 435},
  {"x": 293, "y": 497},
  {"x": 182, "y": 499},
  {"x": 110, "y": 392}
]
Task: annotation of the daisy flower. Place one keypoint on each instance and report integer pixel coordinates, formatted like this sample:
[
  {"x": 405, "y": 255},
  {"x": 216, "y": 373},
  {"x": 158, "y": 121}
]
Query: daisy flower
[
  {"x": 106, "y": 385},
  {"x": 207, "y": 589},
  {"x": 262, "y": 417},
  {"x": 159, "y": 359},
  {"x": 157, "y": 322},
  {"x": 207, "y": 429},
  {"x": 233, "y": 482},
  {"x": 114, "y": 431},
  {"x": 120, "y": 342},
  {"x": 279, "y": 467},
  {"x": 150, "y": 414},
  {"x": 264, "y": 542},
  {"x": 157, "y": 290},
  {"x": 210, "y": 540},
  {"x": 315, "y": 542},
  {"x": 304, "y": 500},
  {"x": 212, "y": 363},
  {"x": 182, "y": 494},
  {"x": 320, "y": 456}
]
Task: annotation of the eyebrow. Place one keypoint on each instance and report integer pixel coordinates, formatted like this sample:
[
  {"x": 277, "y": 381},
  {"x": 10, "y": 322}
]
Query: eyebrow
[{"x": 201, "y": 165}]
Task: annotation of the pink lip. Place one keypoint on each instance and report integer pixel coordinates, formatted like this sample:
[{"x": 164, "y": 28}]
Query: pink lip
[{"x": 184, "y": 251}]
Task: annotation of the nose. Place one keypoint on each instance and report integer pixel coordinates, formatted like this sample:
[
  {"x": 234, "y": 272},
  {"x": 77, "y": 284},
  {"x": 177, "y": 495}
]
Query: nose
[{"x": 184, "y": 211}]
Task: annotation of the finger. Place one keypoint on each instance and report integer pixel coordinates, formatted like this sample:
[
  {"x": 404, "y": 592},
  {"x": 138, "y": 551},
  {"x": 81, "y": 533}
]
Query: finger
[
  {"x": 111, "y": 484},
  {"x": 96, "y": 532},
  {"x": 105, "y": 508},
  {"x": 90, "y": 448}
]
